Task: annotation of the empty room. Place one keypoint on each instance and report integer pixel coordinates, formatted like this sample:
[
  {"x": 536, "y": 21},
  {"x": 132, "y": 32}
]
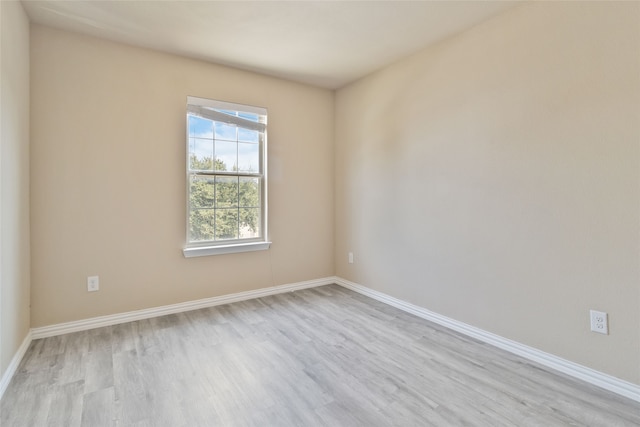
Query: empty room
[{"x": 319, "y": 213}]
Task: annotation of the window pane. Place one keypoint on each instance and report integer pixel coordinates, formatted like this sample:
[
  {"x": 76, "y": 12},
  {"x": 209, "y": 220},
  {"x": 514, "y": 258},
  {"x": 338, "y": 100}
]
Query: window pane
[
  {"x": 200, "y": 154},
  {"x": 247, "y": 135},
  {"x": 249, "y": 192},
  {"x": 226, "y": 156},
  {"x": 226, "y": 191},
  {"x": 201, "y": 225},
  {"x": 201, "y": 194},
  {"x": 248, "y": 157},
  {"x": 200, "y": 128},
  {"x": 226, "y": 132},
  {"x": 226, "y": 224},
  {"x": 249, "y": 222}
]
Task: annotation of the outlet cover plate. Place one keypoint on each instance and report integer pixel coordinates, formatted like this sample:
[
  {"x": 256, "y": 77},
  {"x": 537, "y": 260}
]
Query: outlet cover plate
[
  {"x": 599, "y": 322},
  {"x": 93, "y": 283}
]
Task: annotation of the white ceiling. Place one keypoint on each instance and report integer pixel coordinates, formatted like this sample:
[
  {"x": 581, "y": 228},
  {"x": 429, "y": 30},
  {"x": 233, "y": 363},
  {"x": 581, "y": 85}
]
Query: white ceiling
[{"x": 323, "y": 43}]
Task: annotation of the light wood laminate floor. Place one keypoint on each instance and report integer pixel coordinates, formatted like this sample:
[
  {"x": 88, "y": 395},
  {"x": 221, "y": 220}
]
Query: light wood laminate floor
[{"x": 318, "y": 357}]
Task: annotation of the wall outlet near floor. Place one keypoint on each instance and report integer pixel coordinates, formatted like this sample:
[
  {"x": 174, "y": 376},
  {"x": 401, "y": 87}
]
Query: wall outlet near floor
[
  {"x": 599, "y": 322},
  {"x": 93, "y": 283},
  {"x": 350, "y": 257}
]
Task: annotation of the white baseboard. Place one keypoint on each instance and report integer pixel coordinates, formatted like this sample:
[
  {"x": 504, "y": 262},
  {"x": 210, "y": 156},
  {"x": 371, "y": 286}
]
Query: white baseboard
[
  {"x": 15, "y": 362},
  {"x": 130, "y": 316},
  {"x": 591, "y": 376}
]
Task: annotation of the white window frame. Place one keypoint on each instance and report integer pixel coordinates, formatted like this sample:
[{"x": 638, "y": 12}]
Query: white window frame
[{"x": 205, "y": 108}]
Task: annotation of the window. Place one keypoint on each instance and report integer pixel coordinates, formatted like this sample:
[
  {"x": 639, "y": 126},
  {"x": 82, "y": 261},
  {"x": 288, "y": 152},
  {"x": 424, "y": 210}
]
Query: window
[{"x": 226, "y": 178}]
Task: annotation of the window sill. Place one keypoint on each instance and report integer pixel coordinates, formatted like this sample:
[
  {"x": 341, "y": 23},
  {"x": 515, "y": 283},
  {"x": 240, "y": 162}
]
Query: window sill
[{"x": 226, "y": 249}]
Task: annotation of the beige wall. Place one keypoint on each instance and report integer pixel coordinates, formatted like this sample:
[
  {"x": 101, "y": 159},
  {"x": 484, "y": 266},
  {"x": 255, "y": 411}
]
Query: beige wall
[
  {"x": 493, "y": 179},
  {"x": 108, "y": 179},
  {"x": 14, "y": 180}
]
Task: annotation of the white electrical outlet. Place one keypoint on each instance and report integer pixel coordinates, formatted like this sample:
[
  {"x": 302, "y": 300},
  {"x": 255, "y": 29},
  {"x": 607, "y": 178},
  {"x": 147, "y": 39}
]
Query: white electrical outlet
[
  {"x": 599, "y": 322},
  {"x": 350, "y": 257},
  {"x": 93, "y": 283}
]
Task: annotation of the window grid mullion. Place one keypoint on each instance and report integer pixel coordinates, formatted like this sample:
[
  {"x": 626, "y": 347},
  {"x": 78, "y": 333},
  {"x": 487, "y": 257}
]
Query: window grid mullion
[
  {"x": 215, "y": 208},
  {"x": 222, "y": 173}
]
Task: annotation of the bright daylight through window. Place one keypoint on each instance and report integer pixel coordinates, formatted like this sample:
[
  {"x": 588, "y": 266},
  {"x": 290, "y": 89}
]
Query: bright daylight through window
[{"x": 226, "y": 177}]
